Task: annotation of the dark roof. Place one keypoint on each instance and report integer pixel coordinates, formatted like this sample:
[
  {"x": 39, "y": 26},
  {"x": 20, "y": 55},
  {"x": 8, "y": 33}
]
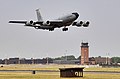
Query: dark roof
[{"x": 74, "y": 68}]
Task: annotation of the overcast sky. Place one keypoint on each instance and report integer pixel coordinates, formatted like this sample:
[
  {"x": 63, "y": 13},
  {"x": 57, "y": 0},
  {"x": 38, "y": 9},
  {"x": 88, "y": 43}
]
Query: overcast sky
[{"x": 103, "y": 34}]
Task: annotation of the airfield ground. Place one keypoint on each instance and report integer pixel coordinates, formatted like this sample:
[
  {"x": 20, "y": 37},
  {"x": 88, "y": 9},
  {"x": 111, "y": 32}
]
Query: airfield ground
[{"x": 102, "y": 73}]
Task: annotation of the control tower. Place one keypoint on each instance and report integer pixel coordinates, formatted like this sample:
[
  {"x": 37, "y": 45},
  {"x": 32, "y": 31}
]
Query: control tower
[{"x": 84, "y": 54}]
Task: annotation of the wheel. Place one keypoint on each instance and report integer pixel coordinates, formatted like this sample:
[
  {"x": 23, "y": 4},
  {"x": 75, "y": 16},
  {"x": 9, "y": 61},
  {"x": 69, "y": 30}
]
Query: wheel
[
  {"x": 51, "y": 29},
  {"x": 65, "y": 29}
]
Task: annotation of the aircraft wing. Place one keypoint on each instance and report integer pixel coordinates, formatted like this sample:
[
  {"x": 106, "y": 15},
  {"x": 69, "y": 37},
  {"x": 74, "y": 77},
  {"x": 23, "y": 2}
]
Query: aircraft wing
[
  {"x": 22, "y": 22},
  {"x": 27, "y": 23},
  {"x": 50, "y": 22}
]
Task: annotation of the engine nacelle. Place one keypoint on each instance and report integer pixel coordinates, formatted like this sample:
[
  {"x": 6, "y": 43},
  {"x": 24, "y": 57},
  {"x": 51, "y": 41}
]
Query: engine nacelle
[
  {"x": 46, "y": 23},
  {"x": 78, "y": 23},
  {"x": 86, "y": 24},
  {"x": 29, "y": 23}
]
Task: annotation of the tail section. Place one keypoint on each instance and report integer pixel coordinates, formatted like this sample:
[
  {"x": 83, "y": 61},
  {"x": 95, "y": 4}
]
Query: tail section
[{"x": 39, "y": 17}]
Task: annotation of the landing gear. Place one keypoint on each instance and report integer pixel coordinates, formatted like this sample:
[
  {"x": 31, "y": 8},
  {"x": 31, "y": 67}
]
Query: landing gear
[
  {"x": 52, "y": 29},
  {"x": 65, "y": 29},
  {"x": 36, "y": 27}
]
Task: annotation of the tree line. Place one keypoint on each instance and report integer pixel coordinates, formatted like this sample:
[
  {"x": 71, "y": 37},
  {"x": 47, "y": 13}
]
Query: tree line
[{"x": 115, "y": 59}]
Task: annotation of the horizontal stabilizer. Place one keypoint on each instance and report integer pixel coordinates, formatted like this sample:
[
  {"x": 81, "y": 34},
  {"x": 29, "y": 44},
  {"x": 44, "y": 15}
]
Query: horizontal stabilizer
[{"x": 22, "y": 22}]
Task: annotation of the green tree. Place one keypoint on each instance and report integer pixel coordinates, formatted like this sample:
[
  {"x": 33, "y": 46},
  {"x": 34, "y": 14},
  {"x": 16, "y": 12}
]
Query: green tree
[
  {"x": 115, "y": 59},
  {"x": 69, "y": 57}
]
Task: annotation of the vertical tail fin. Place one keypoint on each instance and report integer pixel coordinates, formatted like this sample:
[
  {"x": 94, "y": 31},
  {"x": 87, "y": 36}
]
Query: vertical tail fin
[{"x": 39, "y": 17}]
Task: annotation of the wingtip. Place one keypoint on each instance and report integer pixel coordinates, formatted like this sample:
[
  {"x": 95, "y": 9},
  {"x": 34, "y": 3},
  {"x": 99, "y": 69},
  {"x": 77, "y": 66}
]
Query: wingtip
[{"x": 9, "y": 21}]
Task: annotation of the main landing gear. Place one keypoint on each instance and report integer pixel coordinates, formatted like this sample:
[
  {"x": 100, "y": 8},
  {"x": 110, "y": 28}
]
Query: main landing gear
[
  {"x": 65, "y": 29},
  {"x": 52, "y": 29}
]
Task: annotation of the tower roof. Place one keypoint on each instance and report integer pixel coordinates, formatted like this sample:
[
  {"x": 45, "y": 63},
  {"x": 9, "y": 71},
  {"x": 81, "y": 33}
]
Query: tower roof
[{"x": 84, "y": 44}]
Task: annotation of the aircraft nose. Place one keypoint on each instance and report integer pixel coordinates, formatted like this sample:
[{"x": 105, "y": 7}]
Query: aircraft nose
[{"x": 76, "y": 14}]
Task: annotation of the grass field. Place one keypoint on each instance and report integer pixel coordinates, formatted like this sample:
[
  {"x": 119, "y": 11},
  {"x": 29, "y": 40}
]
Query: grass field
[{"x": 53, "y": 75}]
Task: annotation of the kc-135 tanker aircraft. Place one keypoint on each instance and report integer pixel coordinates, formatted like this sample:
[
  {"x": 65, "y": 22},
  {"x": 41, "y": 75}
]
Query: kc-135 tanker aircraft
[{"x": 50, "y": 25}]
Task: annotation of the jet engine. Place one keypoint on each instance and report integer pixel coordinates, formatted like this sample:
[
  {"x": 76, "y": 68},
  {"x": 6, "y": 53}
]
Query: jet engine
[
  {"x": 78, "y": 23},
  {"x": 86, "y": 24},
  {"x": 46, "y": 23},
  {"x": 29, "y": 23}
]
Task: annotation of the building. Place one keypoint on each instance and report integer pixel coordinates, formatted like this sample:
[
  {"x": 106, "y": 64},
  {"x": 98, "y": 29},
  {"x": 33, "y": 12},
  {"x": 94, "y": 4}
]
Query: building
[
  {"x": 92, "y": 61},
  {"x": 33, "y": 61},
  {"x": 102, "y": 60},
  {"x": 1, "y": 61},
  {"x": 84, "y": 54},
  {"x": 25, "y": 61},
  {"x": 13, "y": 61},
  {"x": 66, "y": 61}
]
